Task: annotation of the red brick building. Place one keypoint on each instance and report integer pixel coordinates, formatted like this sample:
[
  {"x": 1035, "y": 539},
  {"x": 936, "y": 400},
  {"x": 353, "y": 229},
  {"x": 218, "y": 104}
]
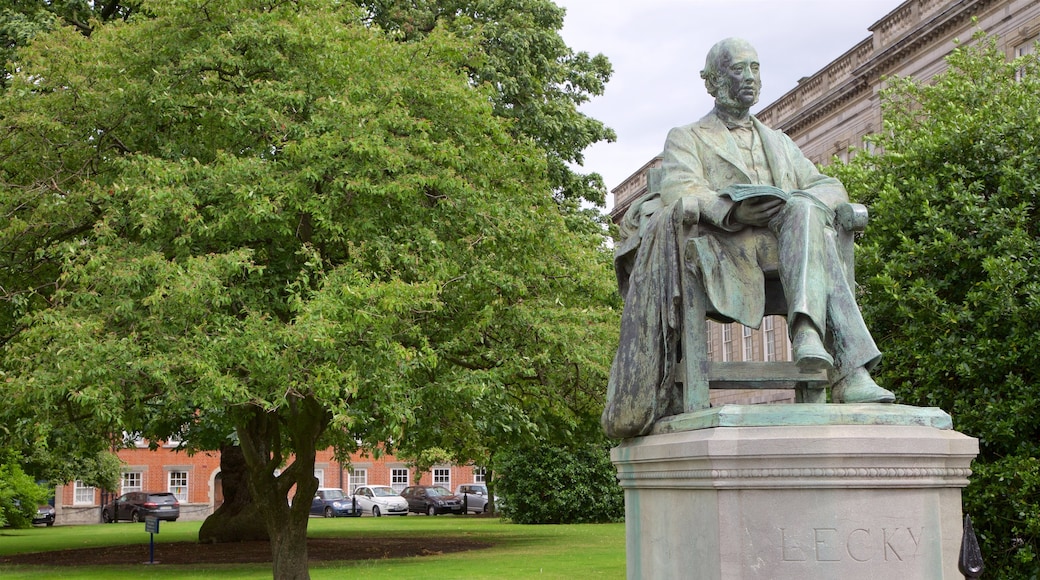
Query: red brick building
[{"x": 195, "y": 480}]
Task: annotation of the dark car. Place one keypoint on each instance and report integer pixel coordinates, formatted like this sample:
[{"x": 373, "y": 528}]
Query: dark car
[
  {"x": 331, "y": 502},
  {"x": 137, "y": 505},
  {"x": 44, "y": 515},
  {"x": 431, "y": 500}
]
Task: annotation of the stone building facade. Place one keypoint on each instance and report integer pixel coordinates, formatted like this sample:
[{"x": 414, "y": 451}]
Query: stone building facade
[{"x": 830, "y": 111}]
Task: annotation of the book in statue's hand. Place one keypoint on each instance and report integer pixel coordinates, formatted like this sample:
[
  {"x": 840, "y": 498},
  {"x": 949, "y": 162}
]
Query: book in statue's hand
[{"x": 742, "y": 191}]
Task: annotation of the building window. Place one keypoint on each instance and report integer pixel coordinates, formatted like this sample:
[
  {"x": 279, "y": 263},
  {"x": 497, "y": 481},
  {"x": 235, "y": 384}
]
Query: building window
[
  {"x": 358, "y": 478},
  {"x": 442, "y": 476},
  {"x": 712, "y": 347},
  {"x": 479, "y": 474},
  {"x": 319, "y": 474},
  {"x": 769, "y": 328},
  {"x": 729, "y": 348},
  {"x": 398, "y": 479},
  {"x": 745, "y": 340},
  {"x": 82, "y": 494},
  {"x": 1021, "y": 50},
  {"x": 178, "y": 485},
  {"x": 131, "y": 481}
]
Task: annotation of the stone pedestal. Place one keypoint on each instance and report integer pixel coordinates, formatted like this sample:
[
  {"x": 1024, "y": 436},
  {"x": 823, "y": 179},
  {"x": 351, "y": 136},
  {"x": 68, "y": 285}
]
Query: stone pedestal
[{"x": 796, "y": 502}]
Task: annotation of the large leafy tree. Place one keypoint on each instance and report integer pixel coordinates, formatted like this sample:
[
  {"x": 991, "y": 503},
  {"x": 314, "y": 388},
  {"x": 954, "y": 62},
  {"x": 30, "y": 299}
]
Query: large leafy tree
[
  {"x": 539, "y": 81},
  {"x": 275, "y": 220},
  {"x": 950, "y": 268},
  {"x": 536, "y": 83}
]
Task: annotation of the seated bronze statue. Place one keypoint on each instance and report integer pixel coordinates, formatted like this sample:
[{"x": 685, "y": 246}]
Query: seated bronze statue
[{"x": 754, "y": 198}]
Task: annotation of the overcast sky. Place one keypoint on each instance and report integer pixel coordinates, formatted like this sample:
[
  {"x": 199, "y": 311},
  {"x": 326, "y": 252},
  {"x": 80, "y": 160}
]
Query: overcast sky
[{"x": 657, "y": 48}]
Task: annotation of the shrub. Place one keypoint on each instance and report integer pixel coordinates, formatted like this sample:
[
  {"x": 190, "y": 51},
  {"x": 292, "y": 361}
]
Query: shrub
[{"x": 558, "y": 485}]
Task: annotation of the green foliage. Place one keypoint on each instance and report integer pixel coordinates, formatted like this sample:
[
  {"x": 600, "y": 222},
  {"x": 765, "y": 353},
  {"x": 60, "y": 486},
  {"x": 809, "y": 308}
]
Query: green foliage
[
  {"x": 278, "y": 220},
  {"x": 538, "y": 80},
  {"x": 950, "y": 274},
  {"x": 19, "y": 493},
  {"x": 559, "y": 485},
  {"x": 21, "y": 20}
]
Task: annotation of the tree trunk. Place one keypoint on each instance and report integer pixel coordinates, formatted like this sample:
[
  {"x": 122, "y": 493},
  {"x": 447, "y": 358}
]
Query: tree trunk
[
  {"x": 261, "y": 436},
  {"x": 237, "y": 519},
  {"x": 489, "y": 483},
  {"x": 289, "y": 546}
]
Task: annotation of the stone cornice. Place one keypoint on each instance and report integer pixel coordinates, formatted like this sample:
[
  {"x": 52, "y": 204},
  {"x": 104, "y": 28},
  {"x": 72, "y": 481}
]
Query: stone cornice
[
  {"x": 834, "y": 477},
  {"x": 866, "y": 74}
]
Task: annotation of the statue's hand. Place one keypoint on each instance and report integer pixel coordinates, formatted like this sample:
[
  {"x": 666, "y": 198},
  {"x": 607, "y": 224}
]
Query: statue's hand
[{"x": 757, "y": 211}]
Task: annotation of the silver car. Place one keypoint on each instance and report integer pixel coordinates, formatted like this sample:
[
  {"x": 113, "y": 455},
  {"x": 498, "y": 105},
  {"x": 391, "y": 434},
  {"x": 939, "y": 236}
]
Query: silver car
[
  {"x": 380, "y": 500},
  {"x": 474, "y": 496}
]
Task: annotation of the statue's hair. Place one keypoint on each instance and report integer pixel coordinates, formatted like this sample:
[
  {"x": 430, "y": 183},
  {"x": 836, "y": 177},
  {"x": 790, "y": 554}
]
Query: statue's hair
[{"x": 713, "y": 62}]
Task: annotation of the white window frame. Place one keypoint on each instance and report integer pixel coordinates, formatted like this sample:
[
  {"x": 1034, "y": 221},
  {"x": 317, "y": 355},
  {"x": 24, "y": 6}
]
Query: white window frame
[
  {"x": 441, "y": 476},
  {"x": 82, "y": 494},
  {"x": 319, "y": 474},
  {"x": 177, "y": 483},
  {"x": 126, "y": 483},
  {"x": 769, "y": 335},
  {"x": 399, "y": 478},
  {"x": 727, "y": 341},
  {"x": 747, "y": 344},
  {"x": 479, "y": 474},
  {"x": 358, "y": 477},
  {"x": 712, "y": 347}
]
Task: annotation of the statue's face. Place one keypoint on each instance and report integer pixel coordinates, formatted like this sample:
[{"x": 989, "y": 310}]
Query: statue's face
[{"x": 740, "y": 80}]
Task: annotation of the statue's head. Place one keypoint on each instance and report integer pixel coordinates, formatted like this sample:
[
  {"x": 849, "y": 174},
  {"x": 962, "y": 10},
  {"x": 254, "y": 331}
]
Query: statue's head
[{"x": 731, "y": 73}]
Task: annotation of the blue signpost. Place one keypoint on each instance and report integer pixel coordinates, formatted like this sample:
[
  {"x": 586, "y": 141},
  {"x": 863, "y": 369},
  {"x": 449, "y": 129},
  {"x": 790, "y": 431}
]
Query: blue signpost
[{"x": 151, "y": 525}]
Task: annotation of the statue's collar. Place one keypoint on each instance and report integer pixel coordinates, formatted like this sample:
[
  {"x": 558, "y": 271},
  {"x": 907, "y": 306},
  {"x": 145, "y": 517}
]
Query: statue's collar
[{"x": 734, "y": 120}]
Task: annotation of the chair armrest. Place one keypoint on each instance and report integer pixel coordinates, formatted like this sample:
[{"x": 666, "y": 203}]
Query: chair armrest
[{"x": 852, "y": 217}]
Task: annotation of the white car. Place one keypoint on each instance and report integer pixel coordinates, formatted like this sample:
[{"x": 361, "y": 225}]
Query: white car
[{"x": 380, "y": 500}]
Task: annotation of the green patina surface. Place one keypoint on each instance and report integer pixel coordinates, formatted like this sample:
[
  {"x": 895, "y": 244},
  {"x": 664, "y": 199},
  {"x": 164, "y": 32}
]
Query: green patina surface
[{"x": 805, "y": 415}]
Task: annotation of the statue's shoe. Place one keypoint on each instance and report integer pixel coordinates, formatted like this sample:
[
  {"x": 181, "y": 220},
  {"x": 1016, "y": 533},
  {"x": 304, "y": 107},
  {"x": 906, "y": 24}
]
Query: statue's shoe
[
  {"x": 809, "y": 353},
  {"x": 858, "y": 387}
]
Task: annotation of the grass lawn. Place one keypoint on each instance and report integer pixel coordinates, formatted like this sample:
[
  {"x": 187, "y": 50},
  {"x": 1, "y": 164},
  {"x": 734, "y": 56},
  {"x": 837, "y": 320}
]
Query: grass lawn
[{"x": 582, "y": 551}]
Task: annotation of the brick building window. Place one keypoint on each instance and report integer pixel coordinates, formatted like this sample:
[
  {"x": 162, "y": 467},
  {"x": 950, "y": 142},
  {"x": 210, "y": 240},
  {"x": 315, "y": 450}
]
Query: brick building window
[
  {"x": 479, "y": 474},
  {"x": 398, "y": 478},
  {"x": 178, "y": 484},
  {"x": 442, "y": 476},
  {"x": 131, "y": 481},
  {"x": 82, "y": 494},
  {"x": 358, "y": 478}
]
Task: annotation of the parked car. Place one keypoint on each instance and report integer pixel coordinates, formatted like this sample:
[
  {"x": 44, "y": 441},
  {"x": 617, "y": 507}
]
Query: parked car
[
  {"x": 331, "y": 502},
  {"x": 431, "y": 500},
  {"x": 44, "y": 515},
  {"x": 474, "y": 497},
  {"x": 137, "y": 505},
  {"x": 381, "y": 500}
]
